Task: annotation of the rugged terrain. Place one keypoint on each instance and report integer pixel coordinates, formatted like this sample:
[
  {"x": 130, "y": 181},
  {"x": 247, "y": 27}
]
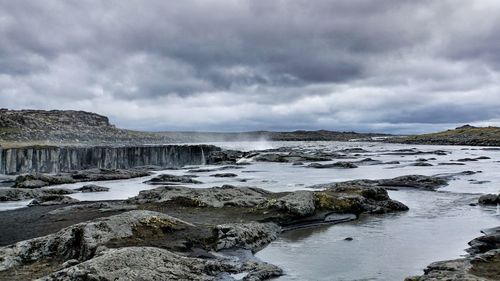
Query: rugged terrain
[
  {"x": 172, "y": 232},
  {"x": 464, "y": 135},
  {"x": 25, "y": 127}
]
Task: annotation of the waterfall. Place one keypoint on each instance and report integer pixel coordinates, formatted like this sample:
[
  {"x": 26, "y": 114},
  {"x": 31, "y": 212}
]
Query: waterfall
[
  {"x": 1, "y": 162},
  {"x": 64, "y": 159},
  {"x": 498, "y": 209},
  {"x": 203, "y": 159}
]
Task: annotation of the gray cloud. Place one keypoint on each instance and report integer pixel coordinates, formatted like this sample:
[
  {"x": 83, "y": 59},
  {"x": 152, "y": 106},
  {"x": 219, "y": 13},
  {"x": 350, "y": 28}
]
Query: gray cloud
[{"x": 245, "y": 65}]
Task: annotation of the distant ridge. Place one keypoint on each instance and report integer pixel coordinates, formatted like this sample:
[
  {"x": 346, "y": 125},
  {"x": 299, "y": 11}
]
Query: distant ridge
[
  {"x": 463, "y": 135},
  {"x": 86, "y": 128}
]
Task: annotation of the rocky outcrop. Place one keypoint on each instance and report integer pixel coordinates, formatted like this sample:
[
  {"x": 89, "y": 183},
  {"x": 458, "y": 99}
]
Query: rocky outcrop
[
  {"x": 80, "y": 241},
  {"x": 464, "y": 135},
  {"x": 51, "y": 159},
  {"x": 92, "y": 188},
  {"x": 216, "y": 197},
  {"x": 17, "y": 194},
  {"x": 37, "y": 180},
  {"x": 165, "y": 179},
  {"x": 483, "y": 263},
  {"x": 411, "y": 181},
  {"x": 146, "y": 263},
  {"x": 283, "y": 206},
  {"x": 48, "y": 200},
  {"x": 251, "y": 236},
  {"x": 340, "y": 165},
  {"x": 489, "y": 199}
]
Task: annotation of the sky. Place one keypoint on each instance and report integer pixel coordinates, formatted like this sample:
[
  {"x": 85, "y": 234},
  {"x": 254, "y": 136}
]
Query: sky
[{"x": 396, "y": 66}]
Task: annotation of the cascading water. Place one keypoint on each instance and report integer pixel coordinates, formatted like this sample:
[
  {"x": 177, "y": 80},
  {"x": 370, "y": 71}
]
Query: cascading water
[{"x": 203, "y": 159}]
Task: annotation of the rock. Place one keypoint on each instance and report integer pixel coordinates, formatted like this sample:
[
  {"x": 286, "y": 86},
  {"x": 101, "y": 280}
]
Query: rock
[
  {"x": 143, "y": 263},
  {"x": 100, "y": 206},
  {"x": 40, "y": 180},
  {"x": 482, "y": 263},
  {"x": 348, "y": 239},
  {"x": 299, "y": 203},
  {"x": 206, "y": 170},
  {"x": 167, "y": 179},
  {"x": 48, "y": 200},
  {"x": 80, "y": 241},
  {"x": 224, "y": 175},
  {"x": 92, "y": 188},
  {"x": 217, "y": 197},
  {"x": 421, "y": 164},
  {"x": 342, "y": 165},
  {"x": 252, "y": 236},
  {"x": 17, "y": 194},
  {"x": 64, "y": 159},
  {"x": 37, "y": 180},
  {"x": 415, "y": 181},
  {"x": 451, "y": 164},
  {"x": 466, "y": 159},
  {"x": 489, "y": 199}
]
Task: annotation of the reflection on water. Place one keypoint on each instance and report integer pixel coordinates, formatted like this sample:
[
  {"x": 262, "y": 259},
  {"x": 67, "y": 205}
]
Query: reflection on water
[{"x": 384, "y": 247}]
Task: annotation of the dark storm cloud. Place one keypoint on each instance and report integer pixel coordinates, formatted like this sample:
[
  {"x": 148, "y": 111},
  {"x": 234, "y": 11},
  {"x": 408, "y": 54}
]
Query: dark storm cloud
[{"x": 238, "y": 65}]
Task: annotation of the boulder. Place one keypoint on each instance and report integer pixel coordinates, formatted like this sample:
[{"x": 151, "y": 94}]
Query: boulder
[
  {"x": 80, "y": 241},
  {"x": 92, "y": 188},
  {"x": 489, "y": 199},
  {"x": 167, "y": 179},
  {"x": 340, "y": 164},
  {"x": 48, "y": 200}
]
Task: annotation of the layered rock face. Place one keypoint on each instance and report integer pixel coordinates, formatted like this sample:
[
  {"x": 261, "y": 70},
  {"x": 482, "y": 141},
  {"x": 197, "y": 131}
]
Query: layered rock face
[{"x": 51, "y": 159}]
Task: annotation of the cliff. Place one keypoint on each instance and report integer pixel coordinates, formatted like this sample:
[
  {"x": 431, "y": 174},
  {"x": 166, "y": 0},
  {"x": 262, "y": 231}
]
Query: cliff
[
  {"x": 67, "y": 127},
  {"x": 52, "y": 159}
]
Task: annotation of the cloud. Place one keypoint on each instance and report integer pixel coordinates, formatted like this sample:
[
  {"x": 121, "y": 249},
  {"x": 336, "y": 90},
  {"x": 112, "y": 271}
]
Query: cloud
[{"x": 247, "y": 65}]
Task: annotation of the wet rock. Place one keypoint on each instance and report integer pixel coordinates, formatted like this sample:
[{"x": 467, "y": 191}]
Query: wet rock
[
  {"x": 368, "y": 161},
  {"x": 48, "y": 200},
  {"x": 451, "y": 164},
  {"x": 341, "y": 165},
  {"x": 299, "y": 203},
  {"x": 208, "y": 170},
  {"x": 483, "y": 158},
  {"x": 466, "y": 159},
  {"x": 41, "y": 180},
  {"x": 252, "y": 236},
  {"x": 92, "y": 188},
  {"x": 421, "y": 164},
  {"x": 348, "y": 239},
  {"x": 482, "y": 263},
  {"x": 478, "y": 182},
  {"x": 489, "y": 199},
  {"x": 17, "y": 194},
  {"x": 224, "y": 175},
  {"x": 38, "y": 180},
  {"x": 415, "y": 181},
  {"x": 295, "y": 157},
  {"x": 167, "y": 179},
  {"x": 80, "y": 241}
]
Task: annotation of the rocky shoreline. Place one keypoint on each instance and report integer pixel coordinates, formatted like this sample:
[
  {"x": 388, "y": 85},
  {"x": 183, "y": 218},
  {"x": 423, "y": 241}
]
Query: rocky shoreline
[
  {"x": 482, "y": 263},
  {"x": 211, "y": 233},
  {"x": 197, "y": 233}
]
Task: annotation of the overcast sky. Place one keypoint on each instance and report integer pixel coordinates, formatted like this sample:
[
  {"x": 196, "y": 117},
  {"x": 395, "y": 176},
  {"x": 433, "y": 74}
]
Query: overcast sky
[{"x": 380, "y": 65}]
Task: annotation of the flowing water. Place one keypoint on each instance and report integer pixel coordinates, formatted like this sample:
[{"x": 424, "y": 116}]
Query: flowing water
[{"x": 383, "y": 247}]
